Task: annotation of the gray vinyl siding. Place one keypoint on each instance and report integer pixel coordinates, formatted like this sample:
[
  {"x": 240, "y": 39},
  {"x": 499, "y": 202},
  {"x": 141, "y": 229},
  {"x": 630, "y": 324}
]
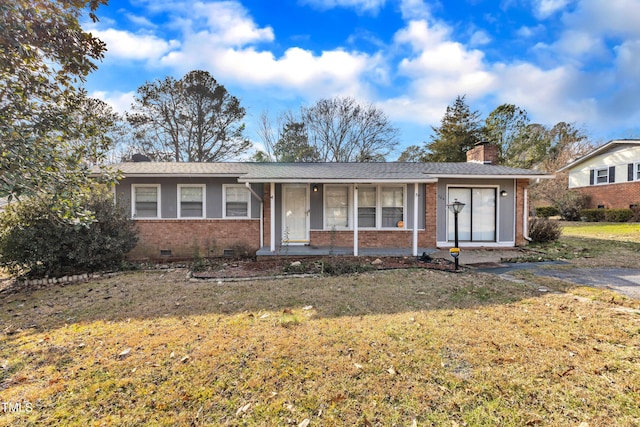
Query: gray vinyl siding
[
  {"x": 169, "y": 194},
  {"x": 505, "y": 227}
]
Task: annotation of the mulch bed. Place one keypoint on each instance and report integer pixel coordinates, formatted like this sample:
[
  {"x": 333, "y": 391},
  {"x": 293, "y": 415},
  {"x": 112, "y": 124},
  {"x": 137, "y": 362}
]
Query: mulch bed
[{"x": 277, "y": 266}]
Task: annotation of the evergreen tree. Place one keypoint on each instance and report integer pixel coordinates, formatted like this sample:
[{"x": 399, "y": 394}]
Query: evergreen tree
[{"x": 459, "y": 131}]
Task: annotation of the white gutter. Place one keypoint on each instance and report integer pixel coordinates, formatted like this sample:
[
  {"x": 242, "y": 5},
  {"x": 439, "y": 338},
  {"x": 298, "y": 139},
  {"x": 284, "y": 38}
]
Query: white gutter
[{"x": 257, "y": 196}]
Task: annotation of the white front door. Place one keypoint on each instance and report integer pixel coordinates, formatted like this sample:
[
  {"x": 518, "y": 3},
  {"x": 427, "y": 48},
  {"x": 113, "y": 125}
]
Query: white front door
[{"x": 295, "y": 218}]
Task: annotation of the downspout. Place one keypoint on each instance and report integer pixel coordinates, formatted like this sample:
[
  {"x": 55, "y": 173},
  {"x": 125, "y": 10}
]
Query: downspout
[{"x": 257, "y": 196}]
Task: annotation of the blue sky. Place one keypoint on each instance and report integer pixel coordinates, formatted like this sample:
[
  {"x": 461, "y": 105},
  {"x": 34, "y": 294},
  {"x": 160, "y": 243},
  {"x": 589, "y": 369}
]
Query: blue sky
[{"x": 561, "y": 60}]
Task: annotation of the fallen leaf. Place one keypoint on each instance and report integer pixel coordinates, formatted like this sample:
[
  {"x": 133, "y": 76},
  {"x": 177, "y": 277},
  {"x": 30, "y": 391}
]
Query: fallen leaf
[
  {"x": 172, "y": 355},
  {"x": 184, "y": 359},
  {"x": 264, "y": 316},
  {"x": 391, "y": 371},
  {"x": 304, "y": 422},
  {"x": 125, "y": 352},
  {"x": 357, "y": 365},
  {"x": 243, "y": 409}
]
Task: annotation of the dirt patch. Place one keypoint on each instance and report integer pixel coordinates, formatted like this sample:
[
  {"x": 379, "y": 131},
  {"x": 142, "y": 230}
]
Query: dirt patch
[{"x": 219, "y": 269}]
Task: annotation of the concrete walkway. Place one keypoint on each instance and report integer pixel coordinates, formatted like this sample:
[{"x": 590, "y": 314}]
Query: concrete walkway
[{"x": 623, "y": 280}]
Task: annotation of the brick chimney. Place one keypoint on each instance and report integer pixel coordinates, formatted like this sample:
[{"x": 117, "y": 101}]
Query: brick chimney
[{"x": 484, "y": 152}]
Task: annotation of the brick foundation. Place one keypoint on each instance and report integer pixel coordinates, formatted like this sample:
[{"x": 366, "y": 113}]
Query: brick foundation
[
  {"x": 612, "y": 196},
  {"x": 181, "y": 237}
]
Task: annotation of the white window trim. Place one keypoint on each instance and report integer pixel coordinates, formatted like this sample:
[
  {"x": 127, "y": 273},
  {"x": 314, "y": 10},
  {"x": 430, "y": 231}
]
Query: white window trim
[
  {"x": 349, "y": 206},
  {"x": 497, "y": 207},
  {"x": 595, "y": 176},
  {"x": 636, "y": 171},
  {"x": 204, "y": 200},
  {"x": 133, "y": 200},
  {"x": 224, "y": 201}
]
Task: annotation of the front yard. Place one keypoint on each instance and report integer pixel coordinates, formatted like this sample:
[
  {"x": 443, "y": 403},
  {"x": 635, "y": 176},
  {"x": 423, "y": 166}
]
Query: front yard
[{"x": 405, "y": 347}]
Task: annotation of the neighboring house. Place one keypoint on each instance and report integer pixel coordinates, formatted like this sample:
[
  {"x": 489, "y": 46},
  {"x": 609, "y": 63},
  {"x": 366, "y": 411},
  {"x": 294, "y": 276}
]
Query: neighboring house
[
  {"x": 322, "y": 208},
  {"x": 610, "y": 174}
]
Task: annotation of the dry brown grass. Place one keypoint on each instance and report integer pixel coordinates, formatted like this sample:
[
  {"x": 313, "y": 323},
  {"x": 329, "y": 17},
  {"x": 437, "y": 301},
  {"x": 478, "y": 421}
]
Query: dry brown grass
[{"x": 387, "y": 348}]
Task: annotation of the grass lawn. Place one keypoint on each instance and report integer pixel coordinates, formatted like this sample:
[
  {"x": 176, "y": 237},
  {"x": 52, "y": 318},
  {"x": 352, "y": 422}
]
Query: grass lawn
[
  {"x": 386, "y": 348},
  {"x": 620, "y": 231}
]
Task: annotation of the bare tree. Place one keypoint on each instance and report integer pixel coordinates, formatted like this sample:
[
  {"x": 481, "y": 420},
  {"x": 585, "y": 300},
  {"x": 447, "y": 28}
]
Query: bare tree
[
  {"x": 194, "y": 119},
  {"x": 343, "y": 130}
]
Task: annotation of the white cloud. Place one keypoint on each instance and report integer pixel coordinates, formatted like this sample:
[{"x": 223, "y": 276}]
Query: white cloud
[
  {"x": 119, "y": 101},
  {"x": 479, "y": 38},
  {"x": 360, "y": 5},
  {"x": 127, "y": 45},
  {"x": 545, "y": 8}
]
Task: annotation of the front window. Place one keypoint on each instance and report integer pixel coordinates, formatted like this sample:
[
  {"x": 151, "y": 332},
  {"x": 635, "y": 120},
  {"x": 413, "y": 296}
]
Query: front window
[
  {"x": 191, "y": 201},
  {"x": 392, "y": 206},
  {"x": 602, "y": 176},
  {"x": 237, "y": 201},
  {"x": 637, "y": 174},
  {"x": 146, "y": 201},
  {"x": 367, "y": 203},
  {"x": 337, "y": 206}
]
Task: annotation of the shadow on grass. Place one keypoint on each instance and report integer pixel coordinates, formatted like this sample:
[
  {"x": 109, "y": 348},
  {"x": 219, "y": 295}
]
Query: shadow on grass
[{"x": 149, "y": 295}]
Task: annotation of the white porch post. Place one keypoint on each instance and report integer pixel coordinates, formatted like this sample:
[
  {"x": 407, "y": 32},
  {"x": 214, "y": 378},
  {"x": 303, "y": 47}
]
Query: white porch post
[
  {"x": 355, "y": 220},
  {"x": 416, "y": 222},
  {"x": 272, "y": 206}
]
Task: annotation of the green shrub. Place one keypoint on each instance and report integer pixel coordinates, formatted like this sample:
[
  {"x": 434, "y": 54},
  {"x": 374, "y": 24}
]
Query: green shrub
[
  {"x": 618, "y": 215},
  {"x": 542, "y": 230},
  {"x": 340, "y": 267},
  {"x": 546, "y": 211},
  {"x": 37, "y": 243},
  {"x": 592, "y": 215},
  {"x": 571, "y": 204}
]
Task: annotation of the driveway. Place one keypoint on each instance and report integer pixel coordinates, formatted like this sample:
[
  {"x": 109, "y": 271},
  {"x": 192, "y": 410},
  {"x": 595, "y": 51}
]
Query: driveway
[{"x": 623, "y": 280}]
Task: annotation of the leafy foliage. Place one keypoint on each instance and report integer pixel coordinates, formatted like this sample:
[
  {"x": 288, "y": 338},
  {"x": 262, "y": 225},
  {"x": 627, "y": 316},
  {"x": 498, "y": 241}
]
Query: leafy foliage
[
  {"x": 34, "y": 241},
  {"x": 546, "y": 211},
  {"x": 193, "y": 119},
  {"x": 504, "y": 127},
  {"x": 460, "y": 129},
  {"x": 45, "y": 55},
  {"x": 608, "y": 215},
  {"x": 543, "y": 230}
]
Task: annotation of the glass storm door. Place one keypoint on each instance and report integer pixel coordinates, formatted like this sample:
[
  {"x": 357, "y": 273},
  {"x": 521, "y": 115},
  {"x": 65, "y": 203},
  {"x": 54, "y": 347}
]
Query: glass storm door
[{"x": 295, "y": 215}]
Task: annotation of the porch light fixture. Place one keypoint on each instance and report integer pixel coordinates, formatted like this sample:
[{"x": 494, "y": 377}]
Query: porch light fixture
[
  {"x": 455, "y": 207},
  {"x": 315, "y": 188},
  {"x": 503, "y": 193}
]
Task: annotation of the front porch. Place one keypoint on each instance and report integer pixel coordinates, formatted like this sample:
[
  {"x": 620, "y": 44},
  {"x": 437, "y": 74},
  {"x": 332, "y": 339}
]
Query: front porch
[{"x": 313, "y": 251}]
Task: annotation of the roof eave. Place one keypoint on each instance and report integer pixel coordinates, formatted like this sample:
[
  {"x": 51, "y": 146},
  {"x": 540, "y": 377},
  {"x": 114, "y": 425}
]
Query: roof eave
[{"x": 335, "y": 180}]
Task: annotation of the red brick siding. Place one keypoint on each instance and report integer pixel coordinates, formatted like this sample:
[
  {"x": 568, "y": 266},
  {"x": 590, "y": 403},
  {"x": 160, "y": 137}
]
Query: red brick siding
[
  {"x": 521, "y": 185},
  {"x": 212, "y": 236},
  {"x": 431, "y": 202},
  {"x": 619, "y": 195},
  {"x": 368, "y": 238}
]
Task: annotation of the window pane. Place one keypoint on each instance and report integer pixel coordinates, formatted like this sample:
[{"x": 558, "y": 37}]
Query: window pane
[
  {"x": 602, "y": 176},
  {"x": 392, "y": 206},
  {"x": 146, "y": 203},
  {"x": 367, "y": 197},
  {"x": 392, "y": 197},
  {"x": 391, "y": 217},
  {"x": 464, "y": 218},
  {"x": 367, "y": 207},
  {"x": 638, "y": 171},
  {"x": 191, "y": 202},
  {"x": 237, "y": 202},
  {"x": 337, "y": 206},
  {"x": 483, "y": 224}
]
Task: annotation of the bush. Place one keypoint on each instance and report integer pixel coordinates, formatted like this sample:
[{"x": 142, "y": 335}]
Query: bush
[
  {"x": 618, "y": 215},
  {"x": 571, "y": 204},
  {"x": 37, "y": 243},
  {"x": 547, "y": 211},
  {"x": 609, "y": 215},
  {"x": 542, "y": 230},
  {"x": 592, "y": 215}
]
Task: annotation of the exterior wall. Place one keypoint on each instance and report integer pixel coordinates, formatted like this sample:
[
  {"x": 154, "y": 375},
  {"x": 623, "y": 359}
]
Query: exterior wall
[
  {"x": 612, "y": 195},
  {"x": 619, "y": 157},
  {"x": 521, "y": 186},
  {"x": 169, "y": 194},
  {"x": 182, "y": 237},
  {"x": 370, "y": 239},
  {"x": 506, "y": 209}
]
